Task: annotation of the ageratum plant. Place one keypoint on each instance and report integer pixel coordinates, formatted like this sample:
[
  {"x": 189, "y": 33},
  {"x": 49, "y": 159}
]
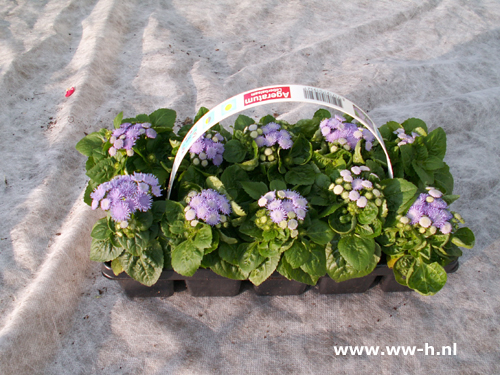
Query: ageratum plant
[{"x": 306, "y": 200}]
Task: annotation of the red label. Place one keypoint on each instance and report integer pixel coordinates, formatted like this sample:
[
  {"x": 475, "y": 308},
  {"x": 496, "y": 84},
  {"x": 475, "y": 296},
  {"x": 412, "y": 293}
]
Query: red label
[{"x": 282, "y": 92}]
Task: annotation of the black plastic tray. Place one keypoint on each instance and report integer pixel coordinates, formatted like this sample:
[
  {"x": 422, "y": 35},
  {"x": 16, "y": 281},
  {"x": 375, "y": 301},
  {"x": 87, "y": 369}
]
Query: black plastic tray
[{"x": 205, "y": 283}]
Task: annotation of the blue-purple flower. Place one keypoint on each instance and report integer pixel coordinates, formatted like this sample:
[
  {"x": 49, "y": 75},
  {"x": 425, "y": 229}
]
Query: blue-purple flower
[
  {"x": 347, "y": 135},
  {"x": 126, "y": 135},
  {"x": 351, "y": 186},
  {"x": 126, "y": 194},
  {"x": 430, "y": 210},
  {"x": 209, "y": 146},
  {"x": 405, "y": 138},
  {"x": 269, "y": 138},
  {"x": 286, "y": 208},
  {"x": 208, "y": 206}
]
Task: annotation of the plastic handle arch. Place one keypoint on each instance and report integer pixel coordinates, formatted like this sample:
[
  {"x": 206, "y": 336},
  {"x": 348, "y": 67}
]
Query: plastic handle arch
[{"x": 273, "y": 94}]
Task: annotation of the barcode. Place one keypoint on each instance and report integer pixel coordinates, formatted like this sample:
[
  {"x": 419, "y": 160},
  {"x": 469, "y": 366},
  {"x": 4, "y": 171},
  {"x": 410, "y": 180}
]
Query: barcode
[{"x": 322, "y": 96}]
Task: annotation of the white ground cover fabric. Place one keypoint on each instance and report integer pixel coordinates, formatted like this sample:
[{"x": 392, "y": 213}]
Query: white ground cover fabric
[{"x": 435, "y": 60}]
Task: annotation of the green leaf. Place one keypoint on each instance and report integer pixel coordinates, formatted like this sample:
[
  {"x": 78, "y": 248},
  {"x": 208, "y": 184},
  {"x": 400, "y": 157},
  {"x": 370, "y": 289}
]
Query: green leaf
[
  {"x": 216, "y": 184},
  {"x": 432, "y": 163},
  {"x": 237, "y": 210},
  {"x": 135, "y": 245},
  {"x": 242, "y": 122},
  {"x": 436, "y": 143},
  {"x": 277, "y": 185},
  {"x": 158, "y": 209},
  {"x": 368, "y": 214},
  {"x": 262, "y": 272},
  {"x": 251, "y": 164},
  {"x": 145, "y": 268},
  {"x": 174, "y": 211},
  {"x": 231, "y": 178},
  {"x": 427, "y": 279},
  {"x": 412, "y": 124},
  {"x": 387, "y": 130},
  {"x": 300, "y": 153},
  {"x": 144, "y": 220},
  {"x": 321, "y": 114},
  {"x": 315, "y": 265},
  {"x": 89, "y": 143},
  {"x": 269, "y": 235},
  {"x": 201, "y": 112},
  {"x": 301, "y": 175},
  {"x": 163, "y": 119},
  {"x": 320, "y": 232},
  {"x": 254, "y": 189},
  {"x": 103, "y": 250},
  {"x": 297, "y": 254},
  {"x": 226, "y": 239},
  {"x": 101, "y": 231},
  {"x": 464, "y": 237},
  {"x": 203, "y": 237},
  {"x": 234, "y": 151},
  {"x": 295, "y": 274},
  {"x": 116, "y": 266},
  {"x": 338, "y": 226},
  {"x": 340, "y": 270},
  {"x": 330, "y": 209},
  {"x": 186, "y": 258},
  {"x": 427, "y": 177},
  {"x": 399, "y": 193},
  {"x": 103, "y": 171},
  {"x": 357, "y": 251},
  {"x": 443, "y": 180},
  {"x": 230, "y": 253},
  {"x": 224, "y": 269},
  {"x": 250, "y": 257},
  {"x": 118, "y": 120}
]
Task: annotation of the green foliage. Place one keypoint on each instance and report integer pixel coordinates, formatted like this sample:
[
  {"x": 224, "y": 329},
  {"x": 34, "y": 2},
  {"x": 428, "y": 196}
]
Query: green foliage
[{"x": 337, "y": 237}]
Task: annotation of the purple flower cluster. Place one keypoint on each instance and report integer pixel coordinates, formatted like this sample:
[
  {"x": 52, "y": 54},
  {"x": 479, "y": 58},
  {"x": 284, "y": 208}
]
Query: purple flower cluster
[
  {"x": 405, "y": 138},
  {"x": 352, "y": 187},
  {"x": 124, "y": 195},
  {"x": 208, "y": 147},
  {"x": 272, "y": 134},
  {"x": 285, "y": 207},
  {"x": 126, "y": 135},
  {"x": 209, "y": 206},
  {"x": 347, "y": 135},
  {"x": 429, "y": 210}
]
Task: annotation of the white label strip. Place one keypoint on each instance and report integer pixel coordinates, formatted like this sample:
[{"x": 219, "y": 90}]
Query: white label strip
[{"x": 268, "y": 95}]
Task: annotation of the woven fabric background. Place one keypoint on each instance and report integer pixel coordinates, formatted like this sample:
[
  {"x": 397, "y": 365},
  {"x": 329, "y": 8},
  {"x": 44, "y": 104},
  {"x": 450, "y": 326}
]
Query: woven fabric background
[{"x": 435, "y": 60}]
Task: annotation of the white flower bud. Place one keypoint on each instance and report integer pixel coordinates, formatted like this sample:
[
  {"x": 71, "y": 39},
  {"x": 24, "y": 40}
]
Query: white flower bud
[
  {"x": 268, "y": 151},
  {"x": 202, "y": 156},
  {"x": 377, "y": 193},
  {"x": 130, "y": 152},
  {"x": 112, "y": 139},
  {"x": 271, "y": 158},
  {"x": 348, "y": 178},
  {"x": 204, "y": 163},
  {"x": 281, "y": 194},
  {"x": 283, "y": 224},
  {"x": 294, "y": 233},
  {"x": 262, "y": 201},
  {"x": 254, "y": 134},
  {"x": 260, "y": 131},
  {"x": 292, "y": 224},
  {"x": 425, "y": 222},
  {"x": 342, "y": 141},
  {"x": 291, "y": 215},
  {"x": 361, "y": 202},
  {"x": 196, "y": 161},
  {"x": 123, "y": 224},
  {"x": 190, "y": 215},
  {"x": 194, "y": 223},
  {"x": 262, "y": 157},
  {"x": 405, "y": 220},
  {"x": 429, "y": 199},
  {"x": 338, "y": 189},
  {"x": 223, "y": 218},
  {"x": 333, "y": 149},
  {"x": 252, "y": 127}
]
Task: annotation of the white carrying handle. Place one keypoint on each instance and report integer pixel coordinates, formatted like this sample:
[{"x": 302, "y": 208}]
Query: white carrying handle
[{"x": 267, "y": 95}]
